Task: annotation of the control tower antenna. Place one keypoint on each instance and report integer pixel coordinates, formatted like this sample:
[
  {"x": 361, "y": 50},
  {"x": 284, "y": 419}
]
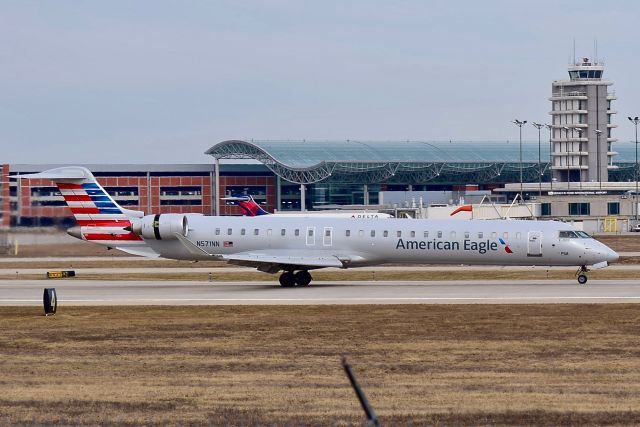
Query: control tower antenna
[{"x": 574, "y": 51}]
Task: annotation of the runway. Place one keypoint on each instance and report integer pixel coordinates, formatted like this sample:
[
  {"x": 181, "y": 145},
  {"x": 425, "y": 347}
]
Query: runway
[{"x": 94, "y": 292}]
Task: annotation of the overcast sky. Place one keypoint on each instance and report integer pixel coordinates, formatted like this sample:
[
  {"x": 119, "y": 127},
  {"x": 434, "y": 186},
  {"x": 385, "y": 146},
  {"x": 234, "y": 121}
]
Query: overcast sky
[{"x": 162, "y": 81}]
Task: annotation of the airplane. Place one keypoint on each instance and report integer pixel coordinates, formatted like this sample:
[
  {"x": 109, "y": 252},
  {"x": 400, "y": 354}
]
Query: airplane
[
  {"x": 251, "y": 208},
  {"x": 295, "y": 246}
]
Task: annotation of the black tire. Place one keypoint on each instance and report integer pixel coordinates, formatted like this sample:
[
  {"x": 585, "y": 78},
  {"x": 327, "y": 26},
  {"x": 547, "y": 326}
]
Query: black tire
[
  {"x": 303, "y": 278},
  {"x": 582, "y": 279},
  {"x": 287, "y": 279},
  {"x": 50, "y": 301}
]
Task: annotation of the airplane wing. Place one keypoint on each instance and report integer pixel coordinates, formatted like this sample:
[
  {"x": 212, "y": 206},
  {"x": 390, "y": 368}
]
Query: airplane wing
[
  {"x": 275, "y": 260},
  {"x": 270, "y": 260}
]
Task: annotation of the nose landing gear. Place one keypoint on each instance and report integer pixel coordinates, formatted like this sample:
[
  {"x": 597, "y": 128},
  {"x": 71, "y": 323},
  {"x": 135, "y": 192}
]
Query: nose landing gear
[
  {"x": 288, "y": 279},
  {"x": 581, "y": 274}
]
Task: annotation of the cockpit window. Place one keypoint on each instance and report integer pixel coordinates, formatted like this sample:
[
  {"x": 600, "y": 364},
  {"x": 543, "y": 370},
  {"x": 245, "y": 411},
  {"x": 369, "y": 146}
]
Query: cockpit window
[
  {"x": 583, "y": 235},
  {"x": 567, "y": 235}
]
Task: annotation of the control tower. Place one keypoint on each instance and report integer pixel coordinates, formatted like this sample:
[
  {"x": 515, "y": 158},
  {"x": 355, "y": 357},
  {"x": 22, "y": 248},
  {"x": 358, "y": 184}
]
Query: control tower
[{"x": 581, "y": 125}]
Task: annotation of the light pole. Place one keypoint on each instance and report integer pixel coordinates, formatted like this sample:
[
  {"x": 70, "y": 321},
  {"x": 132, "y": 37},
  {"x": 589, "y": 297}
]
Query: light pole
[
  {"x": 566, "y": 136},
  {"x": 539, "y": 126},
  {"x": 550, "y": 128},
  {"x": 598, "y": 132},
  {"x": 579, "y": 155},
  {"x": 635, "y": 122},
  {"x": 520, "y": 124}
]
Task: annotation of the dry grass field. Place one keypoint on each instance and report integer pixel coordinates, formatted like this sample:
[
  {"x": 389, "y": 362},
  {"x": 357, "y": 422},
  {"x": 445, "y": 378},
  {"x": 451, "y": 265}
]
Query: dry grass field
[{"x": 280, "y": 365}]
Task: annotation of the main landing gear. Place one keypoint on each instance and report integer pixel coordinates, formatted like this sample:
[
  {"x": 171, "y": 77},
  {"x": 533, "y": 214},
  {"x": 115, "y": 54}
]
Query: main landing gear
[
  {"x": 581, "y": 274},
  {"x": 290, "y": 279}
]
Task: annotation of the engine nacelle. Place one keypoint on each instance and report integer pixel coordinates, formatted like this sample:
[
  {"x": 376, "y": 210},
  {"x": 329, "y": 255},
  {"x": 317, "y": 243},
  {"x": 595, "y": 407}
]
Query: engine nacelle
[{"x": 160, "y": 226}]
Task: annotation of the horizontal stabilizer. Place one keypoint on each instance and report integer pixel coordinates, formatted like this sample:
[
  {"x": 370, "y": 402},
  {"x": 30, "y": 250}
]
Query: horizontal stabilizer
[{"x": 63, "y": 174}]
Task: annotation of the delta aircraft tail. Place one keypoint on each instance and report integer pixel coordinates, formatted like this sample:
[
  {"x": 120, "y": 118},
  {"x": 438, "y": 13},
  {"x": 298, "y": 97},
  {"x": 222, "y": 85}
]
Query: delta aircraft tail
[
  {"x": 249, "y": 206},
  {"x": 100, "y": 219}
]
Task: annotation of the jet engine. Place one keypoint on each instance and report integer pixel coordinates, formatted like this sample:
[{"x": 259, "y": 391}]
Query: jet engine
[{"x": 160, "y": 226}]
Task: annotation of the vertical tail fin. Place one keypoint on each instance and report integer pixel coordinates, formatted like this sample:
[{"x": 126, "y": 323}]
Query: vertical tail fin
[
  {"x": 249, "y": 206},
  {"x": 100, "y": 218}
]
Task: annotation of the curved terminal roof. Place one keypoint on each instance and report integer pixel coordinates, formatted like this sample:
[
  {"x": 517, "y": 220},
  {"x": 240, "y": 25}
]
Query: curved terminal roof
[{"x": 307, "y": 162}]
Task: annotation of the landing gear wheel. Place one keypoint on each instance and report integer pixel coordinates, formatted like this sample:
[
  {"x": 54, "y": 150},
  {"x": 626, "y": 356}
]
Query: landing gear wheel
[
  {"x": 287, "y": 279},
  {"x": 303, "y": 278},
  {"x": 582, "y": 279}
]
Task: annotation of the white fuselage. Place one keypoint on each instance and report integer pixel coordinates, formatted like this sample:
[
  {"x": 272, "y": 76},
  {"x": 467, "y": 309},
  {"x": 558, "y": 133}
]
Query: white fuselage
[{"x": 358, "y": 243}]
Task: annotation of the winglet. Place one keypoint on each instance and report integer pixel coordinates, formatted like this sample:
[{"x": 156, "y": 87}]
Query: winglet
[{"x": 191, "y": 247}]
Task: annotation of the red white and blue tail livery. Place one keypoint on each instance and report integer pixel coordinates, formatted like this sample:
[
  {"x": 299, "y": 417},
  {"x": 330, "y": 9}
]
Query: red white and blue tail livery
[{"x": 100, "y": 219}]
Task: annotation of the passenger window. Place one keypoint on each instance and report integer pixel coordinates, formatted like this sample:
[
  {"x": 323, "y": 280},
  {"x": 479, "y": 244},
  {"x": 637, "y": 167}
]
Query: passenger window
[
  {"x": 269, "y": 232},
  {"x": 505, "y": 235},
  {"x": 360, "y": 233},
  {"x": 385, "y": 233},
  {"x": 426, "y": 234},
  {"x": 217, "y": 231},
  {"x": 399, "y": 233},
  {"x": 256, "y": 232},
  {"x": 347, "y": 233},
  {"x": 439, "y": 234},
  {"x": 413, "y": 234},
  {"x": 373, "y": 233},
  {"x": 296, "y": 232},
  {"x": 518, "y": 235},
  {"x": 283, "y": 232},
  {"x": 480, "y": 235},
  {"x": 494, "y": 235},
  {"x": 242, "y": 231},
  {"x": 453, "y": 234},
  {"x": 229, "y": 231},
  {"x": 466, "y": 234}
]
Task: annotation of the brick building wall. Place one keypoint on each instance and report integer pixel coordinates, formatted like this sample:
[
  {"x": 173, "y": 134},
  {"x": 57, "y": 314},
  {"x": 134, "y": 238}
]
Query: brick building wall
[
  {"x": 39, "y": 202},
  {"x": 5, "y": 203}
]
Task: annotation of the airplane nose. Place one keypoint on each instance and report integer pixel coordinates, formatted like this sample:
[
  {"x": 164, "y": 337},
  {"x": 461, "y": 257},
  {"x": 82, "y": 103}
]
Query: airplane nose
[{"x": 611, "y": 255}]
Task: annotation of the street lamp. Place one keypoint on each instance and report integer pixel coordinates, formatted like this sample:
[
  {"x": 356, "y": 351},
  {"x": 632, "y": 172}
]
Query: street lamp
[
  {"x": 520, "y": 124},
  {"x": 539, "y": 126},
  {"x": 550, "y": 128},
  {"x": 635, "y": 122},
  {"x": 598, "y": 132},
  {"x": 566, "y": 135}
]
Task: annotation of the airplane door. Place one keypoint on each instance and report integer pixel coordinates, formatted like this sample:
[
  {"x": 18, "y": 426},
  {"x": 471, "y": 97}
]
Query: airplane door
[
  {"x": 327, "y": 237},
  {"x": 534, "y": 243},
  {"x": 311, "y": 236}
]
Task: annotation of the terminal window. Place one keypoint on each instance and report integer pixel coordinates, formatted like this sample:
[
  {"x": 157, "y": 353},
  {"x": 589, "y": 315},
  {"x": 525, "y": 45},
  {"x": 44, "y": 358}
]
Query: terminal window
[
  {"x": 579, "y": 208},
  {"x": 613, "y": 208},
  {"x": 545, "y": 209},
  {"x": 180, "y": 195}
]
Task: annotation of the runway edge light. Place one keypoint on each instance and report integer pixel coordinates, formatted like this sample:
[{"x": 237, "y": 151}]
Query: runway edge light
[{"x": 50, "y": 301}]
